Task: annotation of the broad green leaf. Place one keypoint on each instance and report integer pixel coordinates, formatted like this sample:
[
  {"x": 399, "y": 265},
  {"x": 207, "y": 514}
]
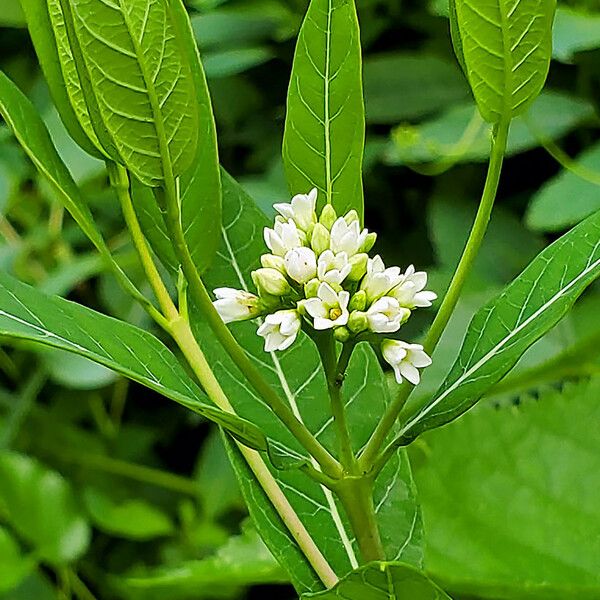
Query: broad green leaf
[
  {"x": 132, "y": 519},
  {"x": 139, "y": 71},
  {"x": 74, "y": 371},
  {"x": 28, "y": 314},
  {"x": 200, "y": 184},
  {"x": 575, "y": 31},
  {"x": 297, "y": 375},
  {"x": 58, "y": 68},
  {"x": 504, "y": 328},
  {"x": 404, "y": 85},
  {"x": 384, "y": 581},
  {"x": 568, "y": 198},
  {"x": 41, "y": 506},
  {"x": 505, "y": 47},
  {"x": 510, "y": 499},
  {"x": 242, "y": 561},
  {"x": 459, "y": 136},
  {"x": 12, "y": 14},
  {"x": 14, "y": 565},
  {"x": 324, "y": 128}
]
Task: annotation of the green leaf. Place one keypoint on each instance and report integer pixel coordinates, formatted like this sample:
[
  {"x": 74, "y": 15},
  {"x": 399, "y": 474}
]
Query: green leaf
[
  {"x": 566, "y": 199},
  {"x": 504, "y": 328},
  {"x": 132, "y": 519},
  {"x": 41, "y": 507},
  {"x": 297, "y": 375},
  {"x": 28, "y": 314},
  {"x": 35, "y": 586},
  {"x": 32, "y": 134},
  {"x": 458, "y": 134},
  {"x": 575, "y": 31},
  {"x": 510, "y": 499},
  {"x": 324, "y": 128},
  {"x": 506, "y": 46},
  {"x": 14, "y": 566},
  {"x": 75, "y": 372},
  {"x": 242, "y": 561},
  {"x": 200, "y": 184},
  {"x": 58, "y": 68},
  {"x": 142, "y": 81},
  {"x": 404, "y": 85},
  {"x": 383, "y": 581}
]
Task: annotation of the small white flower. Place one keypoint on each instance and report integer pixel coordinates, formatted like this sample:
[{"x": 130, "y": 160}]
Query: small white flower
[
  {"x": 405, "y": 359},
  {"x": 333, "y": 268},
  {"x": 301, "y": 264},
  {"x": 329, "y": 309},
  {"x": 379, "y": 281},
  {"x": 236, "y": 305},
  {"x": 301, "y": 209},
  {"x": 283, "y": 237},
  {"x": 386, "y": 315},
  {"x": 409, "y": 291},
  {"x": 347, "y": 237},
  {"x": 280, "y": 329}
]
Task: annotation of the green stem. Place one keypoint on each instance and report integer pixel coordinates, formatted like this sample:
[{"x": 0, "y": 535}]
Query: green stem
[
  {"x": 328, "y": 464},
  {"x": 334, "y": 373},
  {"x": 448, "y": 305},
  {"x": 356, "y": 496}
]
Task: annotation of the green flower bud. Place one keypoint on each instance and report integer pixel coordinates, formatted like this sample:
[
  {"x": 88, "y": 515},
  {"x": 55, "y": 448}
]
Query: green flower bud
[
  {"x": 341, "y": 334},
  {"x": 351, "y": 216},
  {"x": 270, "y": 281},
  {"x": 319, "y": 241},
  {"x": 270, "y": 261},
  {"x": 311, "y": 288},
  {"x": 358, "y": 301},
  {"x": 358, "y": 266},
  {"x": 369, "y": 242},
  {"x": 358, "y": 322},
  {"x": 328, "y": 216}
]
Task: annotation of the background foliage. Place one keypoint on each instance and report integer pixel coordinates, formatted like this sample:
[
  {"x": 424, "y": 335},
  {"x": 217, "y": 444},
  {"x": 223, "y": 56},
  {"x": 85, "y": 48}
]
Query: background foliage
[{"x": 106, "y": 487}]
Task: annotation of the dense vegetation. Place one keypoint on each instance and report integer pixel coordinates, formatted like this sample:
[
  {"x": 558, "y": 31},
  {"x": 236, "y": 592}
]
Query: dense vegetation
[{"x": 108, "y": 491}]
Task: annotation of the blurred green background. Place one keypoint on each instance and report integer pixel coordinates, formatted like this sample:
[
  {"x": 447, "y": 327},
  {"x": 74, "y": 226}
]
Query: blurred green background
[{"x": 110, "y": 492}]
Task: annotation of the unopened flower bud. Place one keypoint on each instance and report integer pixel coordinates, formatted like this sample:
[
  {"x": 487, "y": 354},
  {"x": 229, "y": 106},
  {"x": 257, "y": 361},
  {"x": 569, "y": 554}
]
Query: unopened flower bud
[
  {"x": 369, "y": 242},
  {"x": 351, "y": 216},
  {"x": 320, "y": 238},
  {"x": 311, "y": 288},
  {"x": 358, "y": 301},
  {"x": 358, "y": 266},
  {"x": 271, "y": 281},
  {"x": 301, "y": 264},
  {"x": 237, "y": 305},
  {"x": 357, "y": 321},
  {"x": 328, "y": 216},
  {"x": 270, "y": 261},
  {"x": 341, "y": 334}
]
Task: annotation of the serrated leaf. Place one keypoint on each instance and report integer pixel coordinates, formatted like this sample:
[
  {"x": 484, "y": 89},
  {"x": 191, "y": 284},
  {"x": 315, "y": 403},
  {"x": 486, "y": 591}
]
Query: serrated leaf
[
  {"x": 509, "y": 498},
  {"x": 298, "y": 377},
  {"x": 383, "y": 581},
  {"x": 505, "y": 47},
  {"x": 503, "y": 329},
  {"x": 142, "y": 82},
  {"x": 28, "y": 314},
  {"x": 325, "y": 103},
  {"x": 57, "y": 67},
  {"x": 41, "y": 506}
]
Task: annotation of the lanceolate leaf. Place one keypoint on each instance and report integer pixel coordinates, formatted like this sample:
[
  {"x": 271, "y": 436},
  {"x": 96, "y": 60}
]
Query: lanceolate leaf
[
  {"x": 298, "y": 377},
  {"x": 505, "y": 48},
  {"x": 28, "y": 314},
  {"x": 325, "y": 103},
  {"x": 56, "y": 71},
  {"x": 383, "y": 581},
  {"x": 142, "y": 81},
  {"x": 503, "y": 329}
]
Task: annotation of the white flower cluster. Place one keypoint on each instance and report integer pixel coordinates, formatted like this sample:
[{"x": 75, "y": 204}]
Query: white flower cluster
[{"x": 319, "y": 274}]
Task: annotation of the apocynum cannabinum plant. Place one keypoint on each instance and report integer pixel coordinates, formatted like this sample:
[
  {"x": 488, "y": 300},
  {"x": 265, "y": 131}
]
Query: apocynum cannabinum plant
[{"x": 314, "y": 434}]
